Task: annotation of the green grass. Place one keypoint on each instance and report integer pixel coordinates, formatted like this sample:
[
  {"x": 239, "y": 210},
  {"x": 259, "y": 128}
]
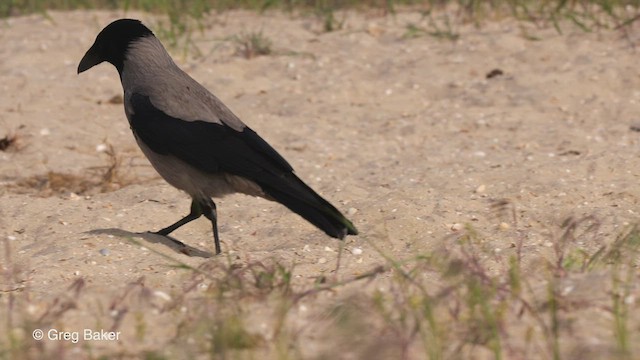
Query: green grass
[{"x": 443, "y": 16}]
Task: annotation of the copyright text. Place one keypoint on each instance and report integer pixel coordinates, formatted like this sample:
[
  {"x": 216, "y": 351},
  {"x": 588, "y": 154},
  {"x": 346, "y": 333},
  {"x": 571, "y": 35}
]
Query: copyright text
[{"x": 76, "y": 336}]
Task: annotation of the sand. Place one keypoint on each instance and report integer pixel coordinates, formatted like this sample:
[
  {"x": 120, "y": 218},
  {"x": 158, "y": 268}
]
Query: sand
[{"x": 406, "y": 135}]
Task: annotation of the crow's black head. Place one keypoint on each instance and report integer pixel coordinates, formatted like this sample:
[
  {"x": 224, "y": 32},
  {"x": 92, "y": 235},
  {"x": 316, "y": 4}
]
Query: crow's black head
[{"x": 112, "y": 43}]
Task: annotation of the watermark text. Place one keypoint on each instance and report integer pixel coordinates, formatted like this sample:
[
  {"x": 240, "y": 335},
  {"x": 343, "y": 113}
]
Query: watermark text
[{"x": 76, "y": 336}]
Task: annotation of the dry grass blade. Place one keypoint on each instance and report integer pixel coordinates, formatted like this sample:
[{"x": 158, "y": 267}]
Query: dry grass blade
[{"x": 99, "y": 179}]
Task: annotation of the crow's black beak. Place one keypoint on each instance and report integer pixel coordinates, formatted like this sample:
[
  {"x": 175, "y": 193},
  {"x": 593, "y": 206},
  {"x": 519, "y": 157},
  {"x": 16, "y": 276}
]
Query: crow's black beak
[{"x": 90, "y": 59}]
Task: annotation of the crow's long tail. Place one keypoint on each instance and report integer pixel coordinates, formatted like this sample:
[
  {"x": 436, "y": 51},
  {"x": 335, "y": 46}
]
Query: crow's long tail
[{"x": 293, "y": 193}]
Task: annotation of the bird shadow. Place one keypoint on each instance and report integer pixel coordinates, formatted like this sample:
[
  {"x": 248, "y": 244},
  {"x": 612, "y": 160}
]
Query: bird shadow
[{"x": 170, "y": 242}]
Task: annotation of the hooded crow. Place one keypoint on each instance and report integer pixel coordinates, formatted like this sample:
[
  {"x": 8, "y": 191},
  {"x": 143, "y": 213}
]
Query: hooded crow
[{"x": 193, "y": 140}]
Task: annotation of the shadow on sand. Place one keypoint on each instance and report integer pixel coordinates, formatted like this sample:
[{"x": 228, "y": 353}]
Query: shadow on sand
[{"x": 174, "y": 244}]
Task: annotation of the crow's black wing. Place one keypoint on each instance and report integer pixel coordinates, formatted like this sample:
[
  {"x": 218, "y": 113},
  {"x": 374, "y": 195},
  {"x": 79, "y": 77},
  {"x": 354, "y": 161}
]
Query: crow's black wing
[{"x": 207, "y": 146}]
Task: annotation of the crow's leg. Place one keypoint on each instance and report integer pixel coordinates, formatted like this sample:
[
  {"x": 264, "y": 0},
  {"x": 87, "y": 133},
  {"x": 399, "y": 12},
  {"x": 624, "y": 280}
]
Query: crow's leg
[
  {"x": 196, "y": 212},
  {"x": 209, "y": 210}
]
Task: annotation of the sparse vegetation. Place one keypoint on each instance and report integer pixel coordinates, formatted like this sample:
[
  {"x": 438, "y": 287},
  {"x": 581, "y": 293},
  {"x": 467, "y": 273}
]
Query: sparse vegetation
[
  {"x": 451, "y": 303},
  {"x": 109, "y": 177},
  {"x": 252, "y": 44},
  {"x": 442, "y": 17}
]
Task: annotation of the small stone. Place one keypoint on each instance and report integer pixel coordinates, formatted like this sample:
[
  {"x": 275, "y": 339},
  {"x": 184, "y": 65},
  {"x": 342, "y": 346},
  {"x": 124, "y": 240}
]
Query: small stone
[
  {"x": 104, "y": 252},
  {"x": 322, "y": 260},
  {"x": 45, "y": 132},
  {"x": 456, "y": 227},
  {"x": 203, "y": 287},
  {"x": 162, "y": 295},
  {"x": 481, "y": 189},
  {"x": 352, "y": 211},
  {"x": 116, "y": 99},
  {"x": 32, "y": 309},
  {"x": 101, "y": 148},
  {"x": 356, "y": 251},
  {"x": 306, "y": 248},
  {"x": 328, "y": 249},
  {"x": 504, "y": 226},
  {"x": 567, "y": 290}
]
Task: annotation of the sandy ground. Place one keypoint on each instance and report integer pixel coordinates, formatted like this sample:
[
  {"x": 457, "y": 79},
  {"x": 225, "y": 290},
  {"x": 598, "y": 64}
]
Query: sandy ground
[{"x": 406, "y": 135}]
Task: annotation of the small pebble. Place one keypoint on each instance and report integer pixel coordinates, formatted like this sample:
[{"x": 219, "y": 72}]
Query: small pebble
[
  {"x": 504, "y": 226},
  {"x": 32, "y": 309},
  {"x": 101, "y": 148},
  {"x": 328, "y": 249},
  {"x": 567, "y": 290},
  {"x": 456, "y": 227},
  {"x": 203, "y": 286},
  {"x": 104, "y": 252},
  {"x": 11, "y": 237},
  {"x": 45, "y": 132},
  {"x": 322, "y": 260},
  {"x": 356, "y": 251},
  {"x": 306, "y": 248},
  {"x": 352, "y": 211},
  {"x": 162, "y": 295},
  {"x": 481, "y": 189}
]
